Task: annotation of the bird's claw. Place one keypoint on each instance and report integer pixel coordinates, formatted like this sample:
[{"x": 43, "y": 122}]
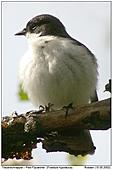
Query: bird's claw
[
  {"x": 46, "y": 108},
  {"x": 70, "y": 106}
]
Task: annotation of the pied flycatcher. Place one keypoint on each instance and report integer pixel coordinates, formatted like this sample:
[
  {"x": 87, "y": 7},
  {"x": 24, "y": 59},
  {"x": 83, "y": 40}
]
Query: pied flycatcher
[{"x": 56, "y": 68}]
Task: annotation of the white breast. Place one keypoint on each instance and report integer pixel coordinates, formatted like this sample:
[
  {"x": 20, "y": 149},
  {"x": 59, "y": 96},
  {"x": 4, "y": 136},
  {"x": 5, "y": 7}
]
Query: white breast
[{"x": 57, "y": 71}]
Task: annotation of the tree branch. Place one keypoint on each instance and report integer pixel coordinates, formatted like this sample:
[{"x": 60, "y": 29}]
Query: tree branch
[
  {"x": 94, "y": 116},
  {"x": 20, "y": 132}
]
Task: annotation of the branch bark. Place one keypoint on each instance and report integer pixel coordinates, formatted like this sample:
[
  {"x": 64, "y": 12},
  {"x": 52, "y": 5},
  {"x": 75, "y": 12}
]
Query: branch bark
[
  {"x": 94, "y": 116},
  {"x": 20, "y": 132}
]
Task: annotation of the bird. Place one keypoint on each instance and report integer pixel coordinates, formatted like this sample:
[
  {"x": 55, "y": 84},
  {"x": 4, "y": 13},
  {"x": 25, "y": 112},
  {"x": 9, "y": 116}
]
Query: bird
[{"x": 56, "y": 68}]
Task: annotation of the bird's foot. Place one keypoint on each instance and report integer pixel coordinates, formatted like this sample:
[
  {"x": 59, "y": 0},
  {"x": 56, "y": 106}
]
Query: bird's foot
[
  {"x": 46, "y": 108},
  {"x": 70, "y": 106}
]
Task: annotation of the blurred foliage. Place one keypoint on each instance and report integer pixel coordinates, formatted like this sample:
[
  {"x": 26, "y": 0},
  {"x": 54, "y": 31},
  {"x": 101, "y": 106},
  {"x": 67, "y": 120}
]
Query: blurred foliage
[
  {"x": 22, "y": 95},
  {"x": 77, "y": 160}
]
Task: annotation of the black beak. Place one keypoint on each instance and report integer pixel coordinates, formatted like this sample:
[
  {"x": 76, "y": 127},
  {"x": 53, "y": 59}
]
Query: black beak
[{"x": 23, "y": 32}]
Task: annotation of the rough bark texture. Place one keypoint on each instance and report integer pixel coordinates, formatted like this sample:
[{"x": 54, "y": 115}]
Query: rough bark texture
[
  {"x": 59, "y": 133},
  {"x": 95, "y": 116}
]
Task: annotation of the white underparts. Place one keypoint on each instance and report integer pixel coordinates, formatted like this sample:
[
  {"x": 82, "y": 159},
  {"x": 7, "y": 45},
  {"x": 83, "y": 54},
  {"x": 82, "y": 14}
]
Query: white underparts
[{"x": 56, "y": 70}]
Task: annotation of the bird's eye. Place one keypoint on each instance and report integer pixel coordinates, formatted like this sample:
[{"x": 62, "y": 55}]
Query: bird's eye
[{"x": 34, "y": 27}]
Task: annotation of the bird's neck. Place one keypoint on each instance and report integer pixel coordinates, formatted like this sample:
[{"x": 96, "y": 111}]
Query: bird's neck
[{"x": 36, "y": 41}]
